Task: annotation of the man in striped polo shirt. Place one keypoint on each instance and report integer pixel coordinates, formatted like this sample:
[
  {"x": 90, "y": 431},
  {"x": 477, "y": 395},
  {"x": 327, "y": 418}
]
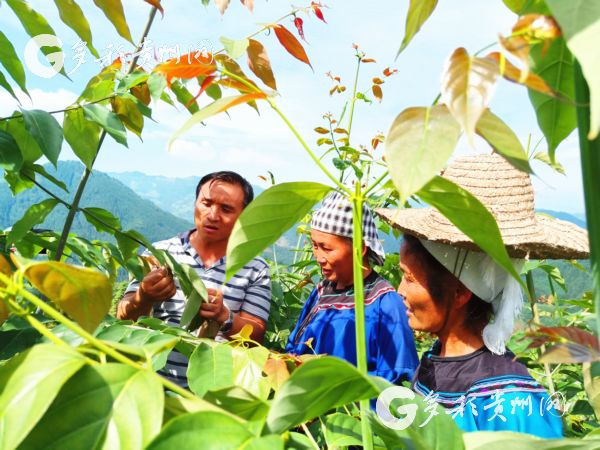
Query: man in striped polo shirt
[{"x": 244, "y": 299}]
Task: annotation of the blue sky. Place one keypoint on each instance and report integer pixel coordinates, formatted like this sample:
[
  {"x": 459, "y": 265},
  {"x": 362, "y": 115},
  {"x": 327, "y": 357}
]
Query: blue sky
[{"x": 252, "y": 143}]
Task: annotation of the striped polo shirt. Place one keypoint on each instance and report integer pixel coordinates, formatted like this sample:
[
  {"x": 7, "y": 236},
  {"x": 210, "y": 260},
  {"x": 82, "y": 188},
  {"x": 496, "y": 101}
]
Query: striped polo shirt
[{"x": 249, "y": 290}]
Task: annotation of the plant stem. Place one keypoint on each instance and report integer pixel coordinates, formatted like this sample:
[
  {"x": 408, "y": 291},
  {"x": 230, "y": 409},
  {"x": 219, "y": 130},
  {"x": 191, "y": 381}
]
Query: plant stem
[
  {"x": 88, "y": 170},
  {"x": 309, "y": 436},
  {"x": 353, "y": 101},
  {"x": 590, "y": 167},
  {"x": 359, "y": 308},
  {"x": 376, "y": 183},
  {"x": 54, "y": 314},
  {"x": 57, "y": 111},
  {"x": 534, "y": 313}
]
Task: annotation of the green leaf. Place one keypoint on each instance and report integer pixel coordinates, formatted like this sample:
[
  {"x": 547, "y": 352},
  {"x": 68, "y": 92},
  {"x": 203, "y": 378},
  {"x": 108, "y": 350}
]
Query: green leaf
[
  {"x": 204, "y": 430},
  {"x": 7, "y": 87},
  {"x": 234, "y": 48},
  {"x": 72, "y": 16},
  {"x": 269, "y": 442},
  {"x": 102, "y": 220},
  {"x": 176, "y": 406},
  {"x": 43, "y": 172},
  {"x": 214, "y": 108},
  {"x": 315, "y": 387},
  {"x": 184, "y": 97},
  {"x": 522, "y": 7},
  {"x": 82, "y": 135},
  {"x": 29, "y": 383},
  {"x": 248, "y": 365},
  {"x": 503, "y": 140},
  {"x": 239, "y": 402},
  {"x": 29, "y": 148},
  {"x": 195, "y": 292},
  {"x": 127, "y": 110},
  {"x": 419, "y": 143},
  {"x": 579, "y": 21},
  {"x": 157, "y": 83},
  {"x": 101, "y": 86},
  {"x": 418, "y": 12},
  {"x": 35, "y": 24},
  {"x": 210, "y": 368},
  {"x": 556, "y": 117},
  {"x": 46, "y": 131},
  {"x": 113, "y": 10},
  {"x": 471, "y": 217},
  {"x": 34, "y": 215},
  {"x": 107, "y": 120},
  {"x": 265, "y": 219},
  {"x": 342, "y": 430},
  {"x": 110, "y": 406},
  {"x": 13, "y": 341},
  {"x": 10, "y": 60},
  {"x": 85, "y": 294},
  {"x": 10, "y": 155}
]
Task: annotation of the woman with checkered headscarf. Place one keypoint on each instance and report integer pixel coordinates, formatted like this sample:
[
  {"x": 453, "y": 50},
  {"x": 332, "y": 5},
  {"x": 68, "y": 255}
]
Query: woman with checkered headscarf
[{"x": 326, "y": 324}]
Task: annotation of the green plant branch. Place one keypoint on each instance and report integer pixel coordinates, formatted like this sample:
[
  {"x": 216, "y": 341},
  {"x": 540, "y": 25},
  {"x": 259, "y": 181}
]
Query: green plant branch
[
  {"x": 57, "y": 111},
  {"x": 359, "y": 307},
  {"x": 309, "y": 436},
  {"x": 375, "y": 183},
  {"x": 353, "y": 101},
  {"x": 87, "y": 172},
  {"x": 590, "y": 167}
]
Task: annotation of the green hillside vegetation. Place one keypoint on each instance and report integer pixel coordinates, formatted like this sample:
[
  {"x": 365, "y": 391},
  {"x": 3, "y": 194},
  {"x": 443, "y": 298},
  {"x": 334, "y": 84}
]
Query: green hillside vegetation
[{"x": 102, "y": 191}]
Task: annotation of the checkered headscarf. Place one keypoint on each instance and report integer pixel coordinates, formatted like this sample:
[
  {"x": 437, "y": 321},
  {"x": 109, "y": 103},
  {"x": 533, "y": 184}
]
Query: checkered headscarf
[{"x": 335, "y": 217}]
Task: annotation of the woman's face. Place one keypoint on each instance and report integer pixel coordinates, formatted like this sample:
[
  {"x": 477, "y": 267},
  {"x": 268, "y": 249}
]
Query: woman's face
[
  {"x": 334, "y": 255},
  {"x": 424, "y": 314}
]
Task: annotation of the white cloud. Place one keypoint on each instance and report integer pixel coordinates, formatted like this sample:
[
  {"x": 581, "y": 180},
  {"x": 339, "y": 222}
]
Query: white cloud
[{"x": 193, "y": 151}]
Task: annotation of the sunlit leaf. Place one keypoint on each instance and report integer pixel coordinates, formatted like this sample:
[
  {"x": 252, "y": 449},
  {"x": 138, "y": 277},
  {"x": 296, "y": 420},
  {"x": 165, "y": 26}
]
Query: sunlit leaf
[
  {"x": 72, "y": 16},
  {"x": 210, "y": 368},
  {"x": 377, "y": 92},
  {"x": 234, "y": 48},
  {"x": 29, "y": 383},
  {"x": 471, "y": 217},
  {"x": 272, "y": 213},
  {"x": 239, "y": 402},
  {"x": 418, "y": 12},
  {"x": 571, "y": 334},
  {"x": 157, "y": 5},
  {"x": 107, "y": 120},
  {"x": 298, "y": 23},
  {"x": 142, "y": 93},
  {"x": 85, "y": 294},
  {"x": 503, "y": 140},
  {"x": 10, "y": 155},
  {"x": 184, "y": 96},
  {"x": 187, "y": 66},
  {"x": 419, "y": 143},
  {"x": 316, "y": 7},
  {"x": 248, "y": 4},
  {"x": 580, "y": 24},
  {"x": 82, "y": 135},
  {"x": 556, "y": 117},
  {"x": 222, "y": 5},
  {"x": 259, "y": 63},
  {"x": 35, "y": 24},
  {"x": 34, "y": 215},
  {"x": 7, "y": 87},
  {"x": 342, "y": 430},
  {"x": 277, "y": 372},
  {"x": 101, "y": 219},
  {"x": 321, "y": 130},
  {"x": 514, "y": 74},
  {"x": 113, "y": 405},
  {"x": 314, "y": 388},
  {"x": 46, "y": 131},
  {"x": 521, "y": 7},
  {"x": 113, "y": 10},
  {"x": 129, "y": 113},
  {"x": 216, "y": 107},
  {"x": 10, "y": 60},
  {"x": 569, "y": 352},
  {"x": 290, "y": 43},
  {"x": 591, "y": 383},
  {"x": 467, "y": 87},
  {"x": 205, "y": 430}
]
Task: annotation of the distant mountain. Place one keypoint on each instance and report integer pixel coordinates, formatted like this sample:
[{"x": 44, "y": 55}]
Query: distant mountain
[
  {"x": 101, "y": 191},
  {"x": 577, "y": 219}
]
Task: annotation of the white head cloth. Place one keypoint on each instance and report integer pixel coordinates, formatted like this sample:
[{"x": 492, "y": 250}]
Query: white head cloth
[{"x": 488, "y": 281}]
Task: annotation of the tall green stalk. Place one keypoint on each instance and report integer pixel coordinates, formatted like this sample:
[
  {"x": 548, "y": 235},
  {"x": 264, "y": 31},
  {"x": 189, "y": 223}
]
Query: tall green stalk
[
  {"x": 590, "y": 168},
  {"x": 62, "y": 242},
  {"x": 359, "y": 307}
]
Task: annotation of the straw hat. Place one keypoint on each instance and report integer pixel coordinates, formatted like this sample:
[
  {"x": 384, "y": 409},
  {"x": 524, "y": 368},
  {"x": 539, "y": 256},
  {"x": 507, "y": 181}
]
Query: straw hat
[{"x": 508, "y": 194}]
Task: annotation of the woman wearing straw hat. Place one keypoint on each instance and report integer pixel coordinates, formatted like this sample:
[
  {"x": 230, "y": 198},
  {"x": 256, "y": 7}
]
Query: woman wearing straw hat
[
  {"x": 326, "y": 323},
  {"x": 464, "y": 298}
]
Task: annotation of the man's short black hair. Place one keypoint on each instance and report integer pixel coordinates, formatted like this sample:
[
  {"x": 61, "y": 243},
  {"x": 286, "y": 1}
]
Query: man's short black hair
[{"x": 228, "y": 177}]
